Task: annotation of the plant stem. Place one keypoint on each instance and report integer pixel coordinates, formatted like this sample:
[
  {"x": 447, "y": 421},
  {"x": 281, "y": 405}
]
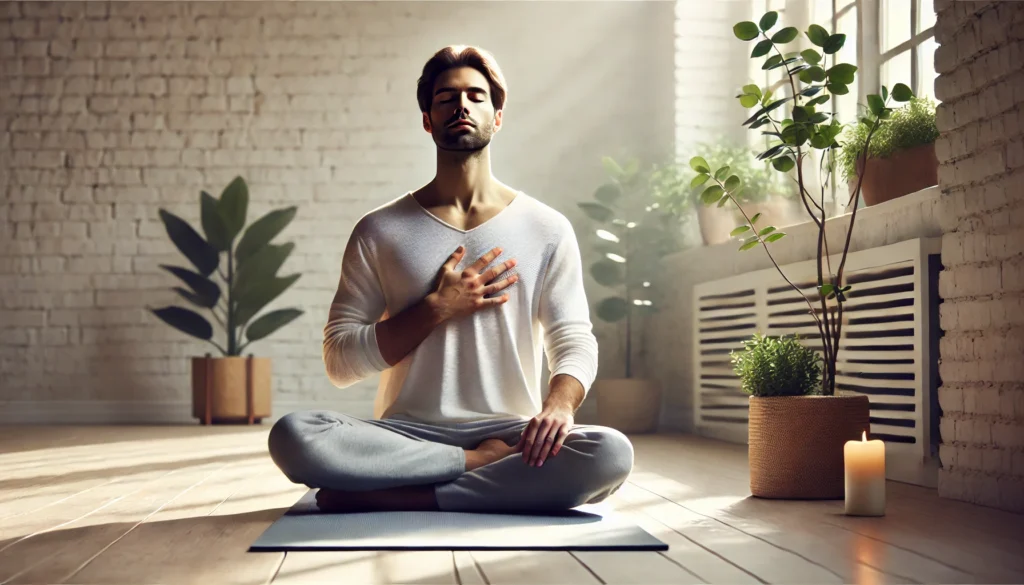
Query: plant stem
[
  {"x": 214, "y": 343},
  {"x": 629, "y": 309},
  {"x": 231, "y": 313}
]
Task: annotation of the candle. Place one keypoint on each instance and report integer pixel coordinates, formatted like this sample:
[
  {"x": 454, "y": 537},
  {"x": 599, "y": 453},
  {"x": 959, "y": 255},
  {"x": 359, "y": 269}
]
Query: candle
[{"x": 865, "y": 477}]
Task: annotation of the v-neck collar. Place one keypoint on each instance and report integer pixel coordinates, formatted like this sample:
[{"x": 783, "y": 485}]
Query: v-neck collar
[{"x": 519, "y": 195}]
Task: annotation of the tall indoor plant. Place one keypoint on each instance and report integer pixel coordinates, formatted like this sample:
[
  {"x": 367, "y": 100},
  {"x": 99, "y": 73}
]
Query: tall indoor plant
[
  {"x": 796, "y": 130},
  {"x": 634, "y": 234},
  {"x": 248, "y": 281}
]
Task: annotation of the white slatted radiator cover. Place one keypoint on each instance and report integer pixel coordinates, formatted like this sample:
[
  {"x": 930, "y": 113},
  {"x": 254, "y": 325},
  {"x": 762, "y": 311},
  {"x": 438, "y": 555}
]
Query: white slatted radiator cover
[{"x": 888, "y": 348}]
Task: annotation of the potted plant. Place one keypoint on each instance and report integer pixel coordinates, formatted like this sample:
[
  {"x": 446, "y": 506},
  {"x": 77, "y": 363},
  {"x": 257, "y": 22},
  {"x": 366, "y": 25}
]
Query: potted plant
[
  {"x": 230, "y": 388},
  {"x": 795, "y": 434},
  {"x": 767, "y": 192},
  {"x": 901, "y": 158},
  {"x": 795, "y": 129},
  {"x": 634, "y": 234}
]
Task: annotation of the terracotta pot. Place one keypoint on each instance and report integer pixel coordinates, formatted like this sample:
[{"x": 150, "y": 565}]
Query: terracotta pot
[
  {"x": 904, "y": 172},
  {"x": 231, "y": 379},
  {"x": 796, "y": 444},
  {"x": 717, "y": 222},
  {"x": 628, "y": 405}
]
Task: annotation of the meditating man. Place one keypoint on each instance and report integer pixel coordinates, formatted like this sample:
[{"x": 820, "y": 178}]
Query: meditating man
[{"x": 451, "y": 293}]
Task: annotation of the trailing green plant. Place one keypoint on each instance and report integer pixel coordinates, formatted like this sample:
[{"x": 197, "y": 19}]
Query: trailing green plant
[
  {"x": 777, "y": 366},
  {"x": 249, "y": 277},
  {"x": 795, "y": 125},
  {"x": 913, "y": 125},
  {"x": 635, "y": 232}
]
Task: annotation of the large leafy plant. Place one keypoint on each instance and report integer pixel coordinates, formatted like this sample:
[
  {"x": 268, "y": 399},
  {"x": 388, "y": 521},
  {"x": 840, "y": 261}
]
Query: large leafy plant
[
  {"x": 777, "y": 366},
  {"x": 634, "y": 233},
  {"x": 796, "y": 127},
  {"x": 248, "y": 277}
]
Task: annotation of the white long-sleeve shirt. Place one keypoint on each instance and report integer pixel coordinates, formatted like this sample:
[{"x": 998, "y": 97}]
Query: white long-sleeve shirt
[{"x": 483, "y": 365}]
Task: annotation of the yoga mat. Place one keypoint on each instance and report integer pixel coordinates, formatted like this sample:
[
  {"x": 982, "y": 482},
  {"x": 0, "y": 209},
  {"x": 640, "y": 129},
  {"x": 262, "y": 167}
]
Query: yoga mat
[{"x": 587, "y": 528}]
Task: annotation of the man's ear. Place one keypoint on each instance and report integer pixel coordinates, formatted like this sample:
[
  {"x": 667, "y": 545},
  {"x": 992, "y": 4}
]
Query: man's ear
[
  {"x": 426, "y": 122},
  {"x": 497, "y": 119}
]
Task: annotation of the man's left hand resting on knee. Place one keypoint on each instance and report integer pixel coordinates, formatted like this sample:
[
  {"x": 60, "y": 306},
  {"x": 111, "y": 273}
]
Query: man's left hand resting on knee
[{"x": 455, "y": 294}]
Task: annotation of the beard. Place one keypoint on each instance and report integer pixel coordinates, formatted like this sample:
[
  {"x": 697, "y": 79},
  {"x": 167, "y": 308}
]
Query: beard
[{"x": 472, "y": 139}]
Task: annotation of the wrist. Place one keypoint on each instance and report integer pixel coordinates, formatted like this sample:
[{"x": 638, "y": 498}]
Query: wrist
[{"x": 433, "y": 309}]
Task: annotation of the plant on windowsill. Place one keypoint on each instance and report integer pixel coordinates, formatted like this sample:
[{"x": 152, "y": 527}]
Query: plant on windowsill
[
  {"x": 795, "y": 131},
  {"x": 901, "y": 158},
  {"x": 767, "y": 192},
  {"x": 635, "y": 234},
  {"x": 231, "y": 388}
]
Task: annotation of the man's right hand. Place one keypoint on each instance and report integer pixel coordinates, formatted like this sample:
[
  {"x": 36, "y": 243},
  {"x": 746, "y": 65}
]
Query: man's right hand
[{"x": 461, "y": 293}]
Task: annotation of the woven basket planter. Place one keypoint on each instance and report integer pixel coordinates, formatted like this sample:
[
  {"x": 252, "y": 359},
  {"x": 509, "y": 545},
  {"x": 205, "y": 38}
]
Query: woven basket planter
[{"x": 796, "y": 444}]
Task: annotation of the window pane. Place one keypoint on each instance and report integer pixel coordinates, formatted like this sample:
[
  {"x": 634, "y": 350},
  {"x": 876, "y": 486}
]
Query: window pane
[
  {"x": 846, "y": 105},
  {"x": 926, "y": 68},
  {"x": 897, "y": 70},
  {"x": 925, "y": 15},
  {"x": 895, "y": 16}
]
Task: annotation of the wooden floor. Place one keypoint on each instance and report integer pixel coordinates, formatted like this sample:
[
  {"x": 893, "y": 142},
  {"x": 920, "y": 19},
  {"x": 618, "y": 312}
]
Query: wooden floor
[{"x": 182, "y": 505}]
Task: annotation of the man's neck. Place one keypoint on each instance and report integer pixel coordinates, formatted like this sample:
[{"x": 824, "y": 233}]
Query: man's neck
[{"x": 464, "y": 180}]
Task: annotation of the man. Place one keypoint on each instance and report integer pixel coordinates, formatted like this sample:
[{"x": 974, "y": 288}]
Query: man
[{"x": 459, "y": 421}]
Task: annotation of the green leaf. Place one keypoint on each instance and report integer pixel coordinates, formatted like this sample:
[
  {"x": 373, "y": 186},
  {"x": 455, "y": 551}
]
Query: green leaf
[
  {"x": 768, "y": 20},
  {"x": 186, "y": 321},
  {"x": 612, "y": 309},
  {"x": 811, "y": 56},
  {"x": 259, "y": 296},
  {"x": 810, "y": 91},
  {"x": 775, "y": 237},
  {"x": 611, "y": 167},
  {"x": 875, "y": 104},
  {"x": 724, "y": 200},
  {"x": 233, "y": 205},
  {"x": 207, "y": 293},
  {"x": 746, "y": 31},
  {"x": 771, "y": 151},
  {"x": 800, "y": 114},
  {"x": 772, "y": 62},
  {"x": 783, "y": 164},
  {"x": 756, "y": 217},
  {"x": 749, "y": 244},
  {"x": 785, "y": 35},
  {"x": 818, "y": 118},
  {"x": 752, "y": 89},
  {"x": 739, "y": 230},
  {"x": 819, "y": 100},
  {"x": 608, "y": 273},
  {"x": 722, "y": 173},
  {"x": 826, "y": 289},
  {"x": 764, "y": 110},
  {"x": 596, "y": 211},
  {"x": 833, "y": 44},
  {"x": 700, "y": 165},
  {"x": 749, "y": 101},
  {"x": 838, "y": 88},
  {"x": 731, "y": 183},
  {"x": 699, "y": 180},
  {"x": 260, "y": 267},
  {"x": 817, "y": 35},
  {"x": 816, "y": 73},
  {"x": 190, "y": 296},
  {"x": 761, "y": 48},
  {"x": 261, "y": 231},
  {"x": 842, "y": 73},
  {"x": 885, "y": 93},
  {"x": 270, "y": 323},
  {"x": 213, "y": 224},
  {"x": 901, "y": 93},
  {"x": 608, "y": 193},
  {"x": 200, "y": 253},
  {"x": 711, "y": 195},
  {"x": 764, "y": 232}
]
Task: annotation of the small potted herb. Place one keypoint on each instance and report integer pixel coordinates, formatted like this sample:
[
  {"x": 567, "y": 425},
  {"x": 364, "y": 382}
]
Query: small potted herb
[
  {"x": 795, "y": 435},
  {"x": 901, "y": 158}
]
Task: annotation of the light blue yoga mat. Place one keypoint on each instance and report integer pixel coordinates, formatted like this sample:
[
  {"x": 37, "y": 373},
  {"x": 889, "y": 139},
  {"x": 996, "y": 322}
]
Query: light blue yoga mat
[{"x": 587, "y": 528}]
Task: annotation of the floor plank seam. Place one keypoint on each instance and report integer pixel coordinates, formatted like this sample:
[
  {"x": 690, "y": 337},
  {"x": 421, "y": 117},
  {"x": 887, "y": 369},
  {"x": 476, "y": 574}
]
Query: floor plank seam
[
  {"x": 903, "y": 548},
  {"x": 680, "y": 565},
  {"x": 588, "y": 569}
]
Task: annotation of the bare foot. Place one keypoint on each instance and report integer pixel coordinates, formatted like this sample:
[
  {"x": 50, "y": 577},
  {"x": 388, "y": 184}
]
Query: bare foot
[
  {"x": 410, "y": 498},
  {"x": 488, "y": 452}
]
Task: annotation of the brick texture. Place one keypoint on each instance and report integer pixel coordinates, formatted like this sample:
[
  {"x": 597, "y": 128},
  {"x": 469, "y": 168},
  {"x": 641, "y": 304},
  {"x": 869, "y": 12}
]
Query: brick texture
[
  {"x": 112, "y": 110},
  {"x": 981, "y": 151}
]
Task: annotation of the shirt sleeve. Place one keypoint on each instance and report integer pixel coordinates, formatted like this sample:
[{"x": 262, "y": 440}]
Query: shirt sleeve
[
  {"x": 569, "y": 341},
  {"x": 350, "y": 351}
]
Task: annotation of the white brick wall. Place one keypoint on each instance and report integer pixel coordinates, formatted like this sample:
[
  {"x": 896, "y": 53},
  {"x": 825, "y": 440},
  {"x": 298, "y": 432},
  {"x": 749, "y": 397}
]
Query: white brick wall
[
  {"x": 110, "y": 110},
  {"x": 981, "y": 153}
]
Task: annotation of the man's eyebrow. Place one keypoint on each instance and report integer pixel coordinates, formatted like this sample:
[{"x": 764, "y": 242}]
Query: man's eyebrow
[{"x": 473, "y": 89}]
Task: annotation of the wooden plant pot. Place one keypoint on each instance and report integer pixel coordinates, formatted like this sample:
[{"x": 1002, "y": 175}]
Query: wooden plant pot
[
  {"x": 231, "y": 389},
  {"x": 796, "y": 444},
  {"x": 628, "y": 405},
  {"x": 904, "y": 172}
]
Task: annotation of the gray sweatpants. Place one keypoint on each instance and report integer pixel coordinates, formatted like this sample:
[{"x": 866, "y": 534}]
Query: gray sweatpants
[{"x": 323, "y": 449}]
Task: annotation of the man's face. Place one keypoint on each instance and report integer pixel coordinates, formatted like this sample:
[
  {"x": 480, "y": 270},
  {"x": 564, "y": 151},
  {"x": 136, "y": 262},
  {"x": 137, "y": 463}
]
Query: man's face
[{"x": 462, "y": 117}]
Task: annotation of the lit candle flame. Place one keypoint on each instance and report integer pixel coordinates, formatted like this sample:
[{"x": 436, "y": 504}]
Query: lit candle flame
[{"x": 863, "y": 436}]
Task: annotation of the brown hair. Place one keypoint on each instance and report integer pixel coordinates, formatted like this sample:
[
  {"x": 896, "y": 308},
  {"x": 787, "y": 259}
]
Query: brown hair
[{"x": 454, "y": 56}]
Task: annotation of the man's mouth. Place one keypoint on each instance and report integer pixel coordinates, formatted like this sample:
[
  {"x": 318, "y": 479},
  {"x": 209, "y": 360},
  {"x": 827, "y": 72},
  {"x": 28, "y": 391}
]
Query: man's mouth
[{"x": 461, "y": 124}]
